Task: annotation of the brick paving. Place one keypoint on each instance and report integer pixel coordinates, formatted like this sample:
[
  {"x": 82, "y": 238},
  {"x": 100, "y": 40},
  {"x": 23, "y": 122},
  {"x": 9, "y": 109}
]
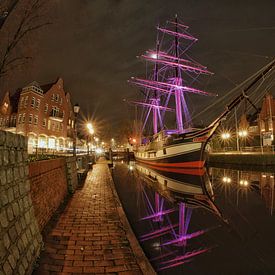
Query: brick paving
[{"x": 89, "y": 236}]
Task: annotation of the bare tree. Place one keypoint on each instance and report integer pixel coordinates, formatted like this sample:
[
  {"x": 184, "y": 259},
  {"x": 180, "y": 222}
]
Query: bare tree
[{"x": 20, "y": 18}]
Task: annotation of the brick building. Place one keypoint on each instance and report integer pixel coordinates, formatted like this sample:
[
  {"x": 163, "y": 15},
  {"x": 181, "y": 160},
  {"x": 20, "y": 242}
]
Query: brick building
[
  {"x": 266, "y": 120},
  {"x": 43, "y": 113}
]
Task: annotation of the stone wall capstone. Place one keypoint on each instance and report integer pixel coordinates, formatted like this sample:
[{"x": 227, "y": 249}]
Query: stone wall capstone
[{"x": 20, "y": 238}]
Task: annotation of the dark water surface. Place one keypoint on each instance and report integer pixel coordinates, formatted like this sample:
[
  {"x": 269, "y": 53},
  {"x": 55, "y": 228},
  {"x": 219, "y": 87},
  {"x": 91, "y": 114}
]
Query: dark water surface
[{"x": 215, "y": 221}]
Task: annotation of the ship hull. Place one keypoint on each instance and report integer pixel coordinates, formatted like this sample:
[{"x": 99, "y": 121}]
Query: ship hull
[{"x": 182, "y": 155}]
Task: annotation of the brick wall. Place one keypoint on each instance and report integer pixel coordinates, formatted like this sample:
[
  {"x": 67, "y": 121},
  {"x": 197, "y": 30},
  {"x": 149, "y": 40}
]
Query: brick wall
[
  {"x": 20, "y": 239},
  {"x": 48, "y": 187}
]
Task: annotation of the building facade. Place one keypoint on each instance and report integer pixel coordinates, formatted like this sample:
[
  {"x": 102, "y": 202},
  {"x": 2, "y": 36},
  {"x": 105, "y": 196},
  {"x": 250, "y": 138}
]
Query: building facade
[
  {"x": 43, "y": 113},
  {"x": 266, "y": 120}
]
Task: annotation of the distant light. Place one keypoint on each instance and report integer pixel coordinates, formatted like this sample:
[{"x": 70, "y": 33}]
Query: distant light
[
  {"x": 264, "y": 176},
  {"x": 243, "y": 133},
  {"x": 134, "y": 140},
  {"x": 99, "y": 150},
  {"x": 226, "y": 179},
  {"x": 244, "y": 182},
  {"x": 225, "y": 135},
  {"x": 154, "y": 55},
  {"x": 131, "y": 168}
]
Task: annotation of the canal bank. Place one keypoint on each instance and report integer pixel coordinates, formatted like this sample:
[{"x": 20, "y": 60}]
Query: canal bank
[
  {"x": 92, "y": 234},
  {"x": 242, "y": 159}
]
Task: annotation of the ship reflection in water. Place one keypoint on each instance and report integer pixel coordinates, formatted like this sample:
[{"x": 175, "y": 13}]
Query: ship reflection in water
[{"x": 213, "y": 221}]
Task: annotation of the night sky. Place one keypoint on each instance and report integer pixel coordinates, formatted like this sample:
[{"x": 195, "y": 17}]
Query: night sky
[{"x": 93, "y": 44}]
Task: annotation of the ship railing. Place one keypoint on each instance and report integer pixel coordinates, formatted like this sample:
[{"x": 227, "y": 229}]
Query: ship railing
[{"x": 267, "y": 149}]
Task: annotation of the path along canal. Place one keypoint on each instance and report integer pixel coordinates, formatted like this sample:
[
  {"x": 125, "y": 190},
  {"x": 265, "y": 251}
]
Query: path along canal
[{"x": 216, "y": 221}]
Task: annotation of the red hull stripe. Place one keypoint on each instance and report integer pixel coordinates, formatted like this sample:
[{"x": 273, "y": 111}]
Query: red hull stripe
[
  {"x": 186, "y": 171},
  {"x": 188, "y": 164}
]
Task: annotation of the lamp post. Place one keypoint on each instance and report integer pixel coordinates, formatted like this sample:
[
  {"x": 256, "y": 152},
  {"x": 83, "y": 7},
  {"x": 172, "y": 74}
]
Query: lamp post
[
  {"x": 76, "y": 111},
  {"x": 91, "y": 131}
]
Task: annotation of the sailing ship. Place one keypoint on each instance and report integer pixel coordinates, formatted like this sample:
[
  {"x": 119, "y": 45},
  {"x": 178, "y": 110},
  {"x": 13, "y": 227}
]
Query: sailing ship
[{"x": 184, "y": 146}]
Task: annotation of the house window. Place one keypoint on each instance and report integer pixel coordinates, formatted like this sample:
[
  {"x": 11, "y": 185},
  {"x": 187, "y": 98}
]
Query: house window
[
  {"x": 20, "y": 119},
  {"x": 37, "y": 104},
  {"x": 56, "y": 97},
  {"x": 7, "y": 121},
  {"x": 46, "y": 108},
  {"x": 23, "y": 118},
  {"x": 33, "y": 102},
  {"x": 30, "y": 119},
  {"x": 35, "y": 120},
  {"x": 53, "y": 96},
  {"x": 26, "y": 101},
  {"x": 61, "y": 126},
  {"x": 55, "y": 111},
  {"x": 49, "y": 125},
  {"x": 22, "y": 102},
  {"x": 44, "y": 122}
]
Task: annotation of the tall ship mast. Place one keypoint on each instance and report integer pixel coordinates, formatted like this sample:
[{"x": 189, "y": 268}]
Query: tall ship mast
[{"x": 183, "y": 146}]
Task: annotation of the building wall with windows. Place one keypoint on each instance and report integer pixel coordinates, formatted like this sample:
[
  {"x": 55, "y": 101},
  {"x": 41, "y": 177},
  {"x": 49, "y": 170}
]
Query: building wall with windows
[
  {"x": 266, "y": 120},
  {"x": 43, "y": 113}
]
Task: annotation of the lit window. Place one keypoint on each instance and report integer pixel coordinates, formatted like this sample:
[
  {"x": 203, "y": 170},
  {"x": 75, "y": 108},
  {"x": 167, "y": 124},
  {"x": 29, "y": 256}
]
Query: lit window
[
  {"x": 20, "y": 119},
  {"x": 51, "y": 143},
  {"x": 26, "y": 101},
  {"x": 49, "y": 124},
  {"x": 33, "y": 102},
  {"x": 56, "y": 97},
  {"x": 23, "y": 118},
  {"x": 44, "y": 122},
  {"x": 37, "y": 104},
  {"x": 46, "y": 108},
  {"x": 30, "y": 119},
  {"x": 35, "y": 120},
  {"x": 53, "y": 96}
]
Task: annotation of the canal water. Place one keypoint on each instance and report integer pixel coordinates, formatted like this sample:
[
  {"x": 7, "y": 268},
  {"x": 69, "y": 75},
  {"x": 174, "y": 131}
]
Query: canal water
[{"x": 212, "y": 221}]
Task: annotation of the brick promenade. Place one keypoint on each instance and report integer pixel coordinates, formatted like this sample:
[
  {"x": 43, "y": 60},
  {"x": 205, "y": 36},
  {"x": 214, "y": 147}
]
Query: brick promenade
[{"x": 90, "y": 236}]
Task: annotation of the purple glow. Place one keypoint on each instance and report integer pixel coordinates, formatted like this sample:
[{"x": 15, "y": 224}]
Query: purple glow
[
  {"x": 178, "y": 82},
  {"x": 178, "y": 24},
  {"x": 158, "y": 214},
  {"x": 151, "y": 83},
  {"x": 174, "y": 58},
  {"x": 157, "y": 233},
  {"x": 174, "y": 265},
  {"x": 186, "y": 237},
  {"x": 175, "y": 64},
  {"x": 180, "y": 35},
  {"x": 187, "y": 256},
  {"x": 152, "y": 105}
]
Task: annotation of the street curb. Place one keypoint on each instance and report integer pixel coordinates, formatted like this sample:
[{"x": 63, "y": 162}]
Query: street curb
[{"x": 141, "y": 258}]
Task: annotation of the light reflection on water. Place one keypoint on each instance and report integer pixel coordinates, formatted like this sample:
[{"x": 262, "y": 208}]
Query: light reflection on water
[{"x": 194, "y": 220}]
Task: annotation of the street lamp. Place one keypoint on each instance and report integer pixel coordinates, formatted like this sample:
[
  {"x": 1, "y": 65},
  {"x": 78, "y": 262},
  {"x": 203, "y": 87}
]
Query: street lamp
[
  {"x": 91, "y": 132},
  {"x": 76, "y": 111}
]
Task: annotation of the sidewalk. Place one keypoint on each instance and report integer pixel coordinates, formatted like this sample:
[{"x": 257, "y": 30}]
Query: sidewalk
[{"x": 91, "y": 235}]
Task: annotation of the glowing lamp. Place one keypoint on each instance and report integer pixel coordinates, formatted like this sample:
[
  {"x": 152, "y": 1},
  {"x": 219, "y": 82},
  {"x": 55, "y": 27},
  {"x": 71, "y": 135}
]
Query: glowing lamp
[{"x": 154, "y": 55}]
